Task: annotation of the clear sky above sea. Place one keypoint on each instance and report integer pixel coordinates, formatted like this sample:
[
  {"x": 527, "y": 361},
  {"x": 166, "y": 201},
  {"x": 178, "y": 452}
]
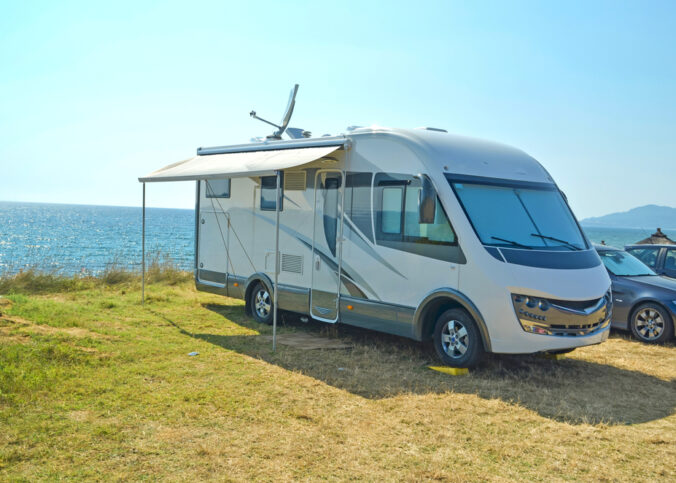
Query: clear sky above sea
[{"x": 95, "y": 94}]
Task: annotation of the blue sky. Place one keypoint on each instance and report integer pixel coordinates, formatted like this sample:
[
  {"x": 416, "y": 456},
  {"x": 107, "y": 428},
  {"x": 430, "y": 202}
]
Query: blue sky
[{"x": 93, "y": 94}]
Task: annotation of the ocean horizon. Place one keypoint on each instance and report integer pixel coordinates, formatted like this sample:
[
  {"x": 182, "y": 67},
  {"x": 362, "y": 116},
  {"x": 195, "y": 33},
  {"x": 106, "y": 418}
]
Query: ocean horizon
[{"x": 74, "y": 239}]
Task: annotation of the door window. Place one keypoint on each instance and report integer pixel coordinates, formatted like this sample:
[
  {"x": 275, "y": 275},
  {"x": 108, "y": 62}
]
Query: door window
[{"x": 670, "y": 262}]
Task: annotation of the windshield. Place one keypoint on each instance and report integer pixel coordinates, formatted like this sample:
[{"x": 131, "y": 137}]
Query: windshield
[
  {"x": 519, "y": 215},
  {"x": 623, "y": 264}
]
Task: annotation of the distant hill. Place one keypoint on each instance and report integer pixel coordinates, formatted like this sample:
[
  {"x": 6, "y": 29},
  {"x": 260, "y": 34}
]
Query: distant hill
[{"x": 648, "y": 217}]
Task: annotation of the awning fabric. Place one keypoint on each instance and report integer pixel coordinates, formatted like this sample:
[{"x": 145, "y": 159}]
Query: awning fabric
[{"x": 238, "y": 164}]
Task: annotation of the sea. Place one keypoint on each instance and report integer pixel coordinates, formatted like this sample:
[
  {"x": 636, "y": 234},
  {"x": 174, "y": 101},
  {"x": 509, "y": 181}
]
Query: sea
[{"x": 84, "y": 239}]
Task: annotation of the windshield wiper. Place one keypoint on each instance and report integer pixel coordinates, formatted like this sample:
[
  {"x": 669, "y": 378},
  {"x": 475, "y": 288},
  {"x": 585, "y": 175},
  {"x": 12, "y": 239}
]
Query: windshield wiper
[
  {"x": 512, "y": 242},
  {"x": 568, "y": 244}
]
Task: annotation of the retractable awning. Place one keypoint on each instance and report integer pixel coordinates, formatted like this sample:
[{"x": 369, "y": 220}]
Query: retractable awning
[
  {"x": 238, "y": 161},
  {"x": 258, "y": 162}
]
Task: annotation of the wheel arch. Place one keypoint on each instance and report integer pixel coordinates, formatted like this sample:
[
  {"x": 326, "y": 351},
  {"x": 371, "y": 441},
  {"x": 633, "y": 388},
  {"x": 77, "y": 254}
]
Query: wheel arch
[
  {"x": 437, "y": 302},
  {"x": 249, "y": 286}
]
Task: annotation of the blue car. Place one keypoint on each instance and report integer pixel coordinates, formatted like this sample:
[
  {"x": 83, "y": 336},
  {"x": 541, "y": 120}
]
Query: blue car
[{"x": 643, "y": 302}]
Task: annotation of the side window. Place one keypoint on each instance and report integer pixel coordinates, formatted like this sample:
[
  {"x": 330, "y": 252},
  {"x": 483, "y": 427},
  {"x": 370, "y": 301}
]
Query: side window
[
  {"x": 393, "y": 198},
  {"x": 438, "y": 232},
  {"x": 397, "y": 213},
  {"x": 670, "y": 262},
  {"x": 218, "y": 188},
  {"x": 396, "y": 199},
  {"x": 646, "y": 255},
  {"x": 269, "y": 193},
  {"x": 358, "y": 201}
]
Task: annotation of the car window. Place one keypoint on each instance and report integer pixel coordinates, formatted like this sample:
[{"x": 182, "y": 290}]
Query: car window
[
  {"x": 670, "y": 260},
  {"x": 646, "y": 255},
  {"x": 623, "y": 264}
]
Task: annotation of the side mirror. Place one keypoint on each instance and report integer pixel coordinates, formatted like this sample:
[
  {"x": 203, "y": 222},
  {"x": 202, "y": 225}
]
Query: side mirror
[{"x": 427, "y": 201}]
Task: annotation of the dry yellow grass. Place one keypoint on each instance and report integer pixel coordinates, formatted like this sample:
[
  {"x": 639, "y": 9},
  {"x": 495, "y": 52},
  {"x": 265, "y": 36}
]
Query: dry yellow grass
[{"x": 140, "y": 408}]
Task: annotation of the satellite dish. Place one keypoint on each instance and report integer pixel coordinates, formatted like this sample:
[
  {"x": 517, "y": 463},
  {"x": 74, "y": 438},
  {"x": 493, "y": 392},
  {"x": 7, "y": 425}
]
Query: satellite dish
[
  {"x": 285, "y": 120},
  {"x": 289, "y": 110}
]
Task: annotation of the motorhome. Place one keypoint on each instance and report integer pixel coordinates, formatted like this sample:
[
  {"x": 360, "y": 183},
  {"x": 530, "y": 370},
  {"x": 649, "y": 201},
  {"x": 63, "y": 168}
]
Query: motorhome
[{"x": 417, "y": 233}]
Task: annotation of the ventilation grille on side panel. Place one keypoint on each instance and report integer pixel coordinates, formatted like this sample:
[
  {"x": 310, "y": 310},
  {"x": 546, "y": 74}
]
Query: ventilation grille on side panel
[
  {"x": 292, "y": 263},
  {"x": 294, "y": 180}
]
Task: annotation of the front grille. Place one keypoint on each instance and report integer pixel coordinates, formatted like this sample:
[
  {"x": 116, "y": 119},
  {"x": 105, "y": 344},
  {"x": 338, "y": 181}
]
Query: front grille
[
  {"x": 574, "y": 330},
  {"x": 574, "y": 304},
  {"x": 562, "y": 318}
]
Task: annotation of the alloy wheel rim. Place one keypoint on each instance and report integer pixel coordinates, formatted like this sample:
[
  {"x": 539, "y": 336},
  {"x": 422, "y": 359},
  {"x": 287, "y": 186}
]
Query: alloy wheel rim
[
  {"x": 649, "y": 324},
  {"x": 454, "y": 339},
  {"x": 262, "y": 303}
]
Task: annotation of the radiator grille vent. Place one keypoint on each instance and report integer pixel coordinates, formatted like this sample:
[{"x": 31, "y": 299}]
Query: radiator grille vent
[
  {"x": 292, "y": 263},
  {"x": 294, "y": 180}
]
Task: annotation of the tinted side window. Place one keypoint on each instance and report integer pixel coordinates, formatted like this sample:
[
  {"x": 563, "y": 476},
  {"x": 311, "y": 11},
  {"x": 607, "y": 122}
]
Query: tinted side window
[
  {"x": 646, "y": 255},
  {"x": 395, "y": 200},
  {"x": 218, "y": 188},
  {"x": 269, "y": 193},
  {"x": 358, "y": 201},
  {"x": 670, "y": 262}
]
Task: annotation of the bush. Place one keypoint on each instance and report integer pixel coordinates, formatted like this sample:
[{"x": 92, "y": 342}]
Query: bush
[
  {"x": 34, "y": 281},
  {"x": 160, "y": 268}
]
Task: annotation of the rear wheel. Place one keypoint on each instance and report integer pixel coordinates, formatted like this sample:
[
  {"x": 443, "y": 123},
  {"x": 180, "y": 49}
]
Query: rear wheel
[
  {"x": 652, "y": 324},
  {"x": 260, "y": 302},
  {"x": 457, "y": 339}
]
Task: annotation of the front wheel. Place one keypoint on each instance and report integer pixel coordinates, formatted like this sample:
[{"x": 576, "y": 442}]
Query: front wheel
[
  {"x": 652, "y": 324},
  {"x": 457, "y": 339},
  {"x": 260, "y": 302}
]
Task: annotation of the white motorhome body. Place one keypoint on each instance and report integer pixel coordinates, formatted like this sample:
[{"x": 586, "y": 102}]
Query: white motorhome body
[{"x": 498, "y": 241}]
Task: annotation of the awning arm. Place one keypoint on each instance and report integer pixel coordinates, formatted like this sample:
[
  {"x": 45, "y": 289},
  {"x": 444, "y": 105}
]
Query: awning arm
[
  {"x": 276, "y": 288},
  {"x": 143, "y": 249}
]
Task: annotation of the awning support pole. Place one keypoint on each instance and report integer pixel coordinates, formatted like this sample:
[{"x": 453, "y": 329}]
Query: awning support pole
[
  {"x": 143, "y": 249},
  {"x": 276, "y": 288}
]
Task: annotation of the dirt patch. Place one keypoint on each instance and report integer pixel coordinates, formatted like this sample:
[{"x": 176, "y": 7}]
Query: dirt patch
[
  {"x": 80, "y": 416},
  {"x": 12, "y": 324},
  {"x": 6, "y": 338}
]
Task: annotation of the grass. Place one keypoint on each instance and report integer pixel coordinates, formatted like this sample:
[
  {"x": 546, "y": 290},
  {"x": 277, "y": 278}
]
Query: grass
[{"x": 95, "y": 386}]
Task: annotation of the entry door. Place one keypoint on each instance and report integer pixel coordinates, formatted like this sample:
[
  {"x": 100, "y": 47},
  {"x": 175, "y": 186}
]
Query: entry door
[
  {"x": 325, "y": 247},
  {"x": 213, "y": 245}
]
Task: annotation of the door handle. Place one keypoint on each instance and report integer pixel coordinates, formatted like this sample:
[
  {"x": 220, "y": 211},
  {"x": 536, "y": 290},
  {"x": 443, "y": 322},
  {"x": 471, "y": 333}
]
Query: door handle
[{"x": 318, "y": 262}]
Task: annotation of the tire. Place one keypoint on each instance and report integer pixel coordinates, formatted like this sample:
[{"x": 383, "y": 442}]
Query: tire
[
  {"x": 651, "y": 323},
  {"x": 260, "y": 301},
  {"x": 457, "y": 339}
]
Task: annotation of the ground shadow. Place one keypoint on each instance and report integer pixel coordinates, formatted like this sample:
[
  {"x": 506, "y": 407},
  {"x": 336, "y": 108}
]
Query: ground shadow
[{"x": 381, "y": 366}]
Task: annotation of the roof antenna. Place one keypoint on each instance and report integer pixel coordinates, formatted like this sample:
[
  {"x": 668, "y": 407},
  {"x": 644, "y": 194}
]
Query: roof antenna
[{"x": 293, "y": 132}]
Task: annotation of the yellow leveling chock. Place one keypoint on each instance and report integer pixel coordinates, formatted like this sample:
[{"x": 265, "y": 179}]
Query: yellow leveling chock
[
  {"x": 453, "y": 371},
  {"x": 553, "y": 357}
]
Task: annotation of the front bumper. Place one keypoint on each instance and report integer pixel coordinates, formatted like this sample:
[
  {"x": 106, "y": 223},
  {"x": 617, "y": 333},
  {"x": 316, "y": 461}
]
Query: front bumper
[{"x": 562, "y": 318}]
